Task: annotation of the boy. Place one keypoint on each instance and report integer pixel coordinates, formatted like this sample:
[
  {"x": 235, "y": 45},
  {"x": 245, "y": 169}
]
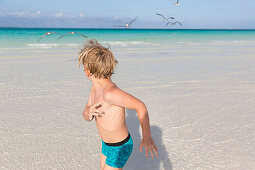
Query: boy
[{"x": 107, "y": 105}]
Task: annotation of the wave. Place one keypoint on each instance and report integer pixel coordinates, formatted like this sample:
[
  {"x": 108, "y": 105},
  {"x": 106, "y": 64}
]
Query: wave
[
  {"x": 127, "y": 43},
  {"x": 30, "y": 46},
  {"x": 233, "y": 42},
  {"x": 43, "y": 45},
  {"x": 118, "y": 43},
  {"x": 38, "y": 46}
]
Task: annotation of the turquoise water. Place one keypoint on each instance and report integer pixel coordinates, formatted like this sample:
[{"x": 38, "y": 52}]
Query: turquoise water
[{"x": 27, "y": 37}]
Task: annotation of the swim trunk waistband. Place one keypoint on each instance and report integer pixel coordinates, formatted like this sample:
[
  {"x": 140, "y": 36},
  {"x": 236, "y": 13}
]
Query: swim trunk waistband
[{"x": 119, "y": 143}]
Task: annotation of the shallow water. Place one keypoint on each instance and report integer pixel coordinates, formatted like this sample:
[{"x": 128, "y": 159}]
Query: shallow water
[{"x": 28, "y": 37}]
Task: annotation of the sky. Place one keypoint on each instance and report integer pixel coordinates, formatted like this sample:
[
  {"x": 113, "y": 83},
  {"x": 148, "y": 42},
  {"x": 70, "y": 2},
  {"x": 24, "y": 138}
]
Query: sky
[{"x": 193, "y": 14}]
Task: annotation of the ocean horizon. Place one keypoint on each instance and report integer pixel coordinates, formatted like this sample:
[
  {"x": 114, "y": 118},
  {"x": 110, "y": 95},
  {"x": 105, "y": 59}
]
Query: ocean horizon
[{"x": 168, "y": 28}]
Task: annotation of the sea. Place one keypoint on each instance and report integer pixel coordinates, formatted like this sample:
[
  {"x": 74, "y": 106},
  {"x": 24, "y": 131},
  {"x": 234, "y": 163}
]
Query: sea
[{"x": 29, "y": 38}]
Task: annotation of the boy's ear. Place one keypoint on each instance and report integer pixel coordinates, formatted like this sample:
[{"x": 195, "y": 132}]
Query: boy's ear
[{"x": 87, "y": 72}]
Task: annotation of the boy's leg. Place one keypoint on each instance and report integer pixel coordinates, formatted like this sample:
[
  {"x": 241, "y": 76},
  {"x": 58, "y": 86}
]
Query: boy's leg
[
  {"x": 102, "y": 162},
  {"x": 107, "y": 167}
]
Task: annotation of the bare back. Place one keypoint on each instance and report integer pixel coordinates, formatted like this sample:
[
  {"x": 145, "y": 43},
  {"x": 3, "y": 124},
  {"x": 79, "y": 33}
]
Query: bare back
[{"x": 111, "y": 125}]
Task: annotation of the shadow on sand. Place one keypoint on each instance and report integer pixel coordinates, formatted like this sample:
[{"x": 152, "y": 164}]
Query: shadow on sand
[{"x": 138, "y": 160}]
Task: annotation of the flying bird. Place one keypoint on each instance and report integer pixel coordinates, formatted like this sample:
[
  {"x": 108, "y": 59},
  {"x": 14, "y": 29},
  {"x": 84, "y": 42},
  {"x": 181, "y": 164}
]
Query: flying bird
[
  {"x": 48, "y": 33},
  {"x": 73, "y": 34},
  {"x": 126, "y": 25},
  {"x": 164, "y": 18},
  {"x": 177, "y": 3},
  {"x": 173, "y": 23}
]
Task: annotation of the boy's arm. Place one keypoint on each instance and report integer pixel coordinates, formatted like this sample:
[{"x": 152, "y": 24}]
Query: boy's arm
[
  {"x": 118, "y": 97},
  {"x": 91, "y": 110}
]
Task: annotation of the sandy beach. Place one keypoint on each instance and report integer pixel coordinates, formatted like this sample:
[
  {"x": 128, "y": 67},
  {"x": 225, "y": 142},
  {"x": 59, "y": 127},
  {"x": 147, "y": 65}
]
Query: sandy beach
[{"x": 200, "y": 98}]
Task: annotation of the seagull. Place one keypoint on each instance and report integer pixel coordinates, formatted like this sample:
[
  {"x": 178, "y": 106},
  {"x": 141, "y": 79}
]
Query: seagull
[
  {"x": 126, "y": 25},
  {"x": 165, "y": 19},
  {"x": 48, "y": 33},
  {"x": 73, "y": 34},
  {"x": 177, "y": 3},
  {"x": 173, "y": 23}
]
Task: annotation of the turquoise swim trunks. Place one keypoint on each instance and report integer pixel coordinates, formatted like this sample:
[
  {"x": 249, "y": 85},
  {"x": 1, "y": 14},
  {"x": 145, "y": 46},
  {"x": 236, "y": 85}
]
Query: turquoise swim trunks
[{"x": 117, "y": 153}]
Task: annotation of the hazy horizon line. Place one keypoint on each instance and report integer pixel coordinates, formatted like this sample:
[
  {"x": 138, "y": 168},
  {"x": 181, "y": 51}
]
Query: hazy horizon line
[{"x": 252, "y": 29}]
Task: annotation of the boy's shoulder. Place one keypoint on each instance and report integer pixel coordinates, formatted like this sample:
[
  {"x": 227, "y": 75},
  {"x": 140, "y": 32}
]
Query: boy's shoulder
[
  {"x": 111, "y": 92},
  {"x": 113, "y": 95}
]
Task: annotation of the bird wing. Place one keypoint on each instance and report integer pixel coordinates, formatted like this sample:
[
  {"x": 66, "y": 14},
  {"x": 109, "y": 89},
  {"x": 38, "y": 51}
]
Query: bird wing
[
  {"x": 44, "y": 35},
  {"x": 170, "y": 18},
  {"x": 161, "y": 16},
  {"x": 39, "y": 39},
  {"x": 74, "y": 33},
  {"x": 168, "y": 23},
  {"x": 53, "y": 32},
  {"x": 81, "y": 34},
  {"x": 62, "y": 35},
  {"x": 177, "y": 22},
  {"x": 132, "y": 21}
]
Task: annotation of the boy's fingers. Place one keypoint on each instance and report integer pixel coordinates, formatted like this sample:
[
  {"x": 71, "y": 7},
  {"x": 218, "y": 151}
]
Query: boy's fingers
[
  {"x": 97, "y": 105},
  {"x": 98, "y": 111},
  {"x": 152, "y": 156},
  {"x": 155, "y": 147},
  {"x": 90, "y": 110},
  {"x": 156, "y": 151},
  {"x": 147, "y": 153},
  {"x": 141, "y": 147}
]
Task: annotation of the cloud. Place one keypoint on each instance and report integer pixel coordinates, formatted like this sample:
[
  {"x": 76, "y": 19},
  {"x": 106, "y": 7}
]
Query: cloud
[
  {"x": 59, "y": 19},
  {"x": 20, "y": 14},
  {"x": 82, "y": 14},
  {"x": 58, "y": 14}
]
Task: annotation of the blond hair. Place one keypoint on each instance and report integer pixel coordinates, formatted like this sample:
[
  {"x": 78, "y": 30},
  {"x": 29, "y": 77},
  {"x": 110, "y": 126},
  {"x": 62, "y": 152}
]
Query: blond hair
[{"x": 97, "y": 59}]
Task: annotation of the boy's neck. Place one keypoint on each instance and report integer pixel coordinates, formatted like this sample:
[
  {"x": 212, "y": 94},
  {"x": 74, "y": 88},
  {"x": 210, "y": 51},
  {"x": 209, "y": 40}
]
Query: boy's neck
[{"x": 101, "y": 83}]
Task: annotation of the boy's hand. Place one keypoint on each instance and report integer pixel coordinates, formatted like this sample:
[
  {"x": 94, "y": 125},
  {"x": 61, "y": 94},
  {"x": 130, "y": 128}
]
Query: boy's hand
[
  {"x": 149, "y": 146},
  {"x": 95, "y": 110}
]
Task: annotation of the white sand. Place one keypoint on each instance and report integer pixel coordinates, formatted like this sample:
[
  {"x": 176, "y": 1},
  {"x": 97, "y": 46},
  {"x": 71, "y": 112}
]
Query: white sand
[{"x": 200, "y": 100}]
